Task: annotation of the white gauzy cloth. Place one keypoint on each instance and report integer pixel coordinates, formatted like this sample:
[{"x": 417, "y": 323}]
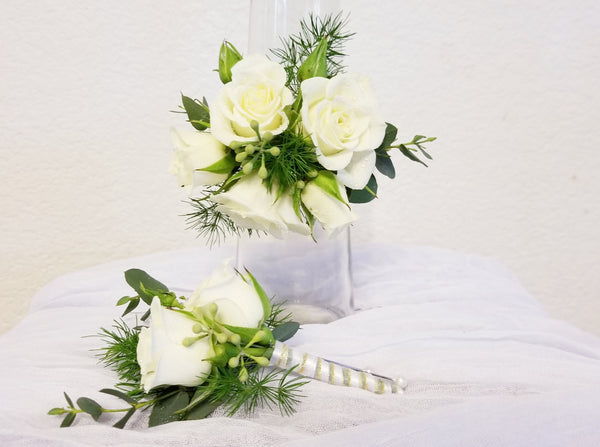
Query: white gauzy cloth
[{"x": 485, "y": 364}]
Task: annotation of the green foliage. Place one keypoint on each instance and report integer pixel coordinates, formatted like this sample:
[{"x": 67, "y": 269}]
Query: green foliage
[
  {"x": 297, "y": 158},
  {"x": 119, "y": 354},
  {"x": 197, "y": 112},
  {"x": 368, "y": 193},
  {"x": 298, "y": 47}
]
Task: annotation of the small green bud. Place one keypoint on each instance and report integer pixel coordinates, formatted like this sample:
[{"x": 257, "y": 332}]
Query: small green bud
[
  {"x": 250, "y": 149},
  {"x": 248, "y": 167},
  {"x": 300, "y": 184},
  {"x": 234, "y": 362},
  {"x": 197, "y": 328},
  {"x": 221, "y": 338},
  {"x": 189, "y": 341},
  {"x": 261, "y": 361},
  {"x": 241, "y": 157},
  {"x": 219, "y": 350},
  {"x": 243, "y": 375},
  {"x": 274, "y": 151},
  {"x": 213, "y": 308},
  {"x": 267, "y": 137},
  {"x": 228, "y": 57},
  {"x": 312, "y": 173},
  {"x": 235, "y": 145},
  {"x": 235, "y": 339},
  {"x": 254, "y": 126},
  {"x": 262, "y": 172}
]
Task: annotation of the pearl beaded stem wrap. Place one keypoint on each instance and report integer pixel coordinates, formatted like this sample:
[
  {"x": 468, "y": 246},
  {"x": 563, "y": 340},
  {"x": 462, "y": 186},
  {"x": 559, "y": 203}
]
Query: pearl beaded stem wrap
[{"x": 314, "y": 367}]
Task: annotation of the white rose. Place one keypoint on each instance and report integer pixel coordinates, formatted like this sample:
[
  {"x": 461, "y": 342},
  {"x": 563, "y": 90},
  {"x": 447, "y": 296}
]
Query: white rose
[
  {"x": 257, "y": 92},
  {"x": 340, "y": 116},
  {"x": 332, "y": 212},
  {"x": 251, "y": 205},
  {"x": 195, "y": 151},
  {"x": 238, "y": 302},
  {"x": 163, "y": 358}
]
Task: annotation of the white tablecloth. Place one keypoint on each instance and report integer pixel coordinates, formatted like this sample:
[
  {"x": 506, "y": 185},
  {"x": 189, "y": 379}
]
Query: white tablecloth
[{"x": 485, "y": 364}]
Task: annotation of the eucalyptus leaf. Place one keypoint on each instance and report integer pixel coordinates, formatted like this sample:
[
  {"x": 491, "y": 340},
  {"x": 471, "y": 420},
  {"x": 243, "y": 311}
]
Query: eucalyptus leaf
[
  {"x": 202, "y": 410},
  {"x": 164, "y": 410},
  {"x": 197, "y": 112},
  {"x": 201, "y": 394},
  {"x": 57, "y": 411},
  {"x": 121, "y": 422},
  {"x": 131, "y": 306},
  {"x": 119, "y": 394},
  {"x": 141, "y": 282},
  {"x": 389, "y": 137},
  {"x": 409, "y": 154},
  {"x": 366, "y": 194},
  {"x": 124, "y": 300},
  {"x": 68, "y": 420},
  {"x": 285, "y": 331},
  {"x": 90, "y": 406},
  {"x": 68, "y": 399},
  {"x": 384, "y": 164}
]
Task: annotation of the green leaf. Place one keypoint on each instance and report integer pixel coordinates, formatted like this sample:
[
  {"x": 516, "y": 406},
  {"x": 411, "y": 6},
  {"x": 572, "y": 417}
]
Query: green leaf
[
  {"x": 201, "y": 394},
  {"x": 68, "y": 420},
  {"x": 224, "y": 166},
  {"x": 57, "y": 411},
  {"x": 422, "y": 149},
  {"x": 202, "y": 410},
  {"x": 247, "y": 334},
  {"x": 142, "y": 283},
  {"x": 68, "y": 399},
  {"x": 119, "y": 394},
  {"x": 90, "y": 406},
  {"x": 131, "y": 306},
  {"x": 384, "y": 164},
  {"x": 125, "y": 299},
  {"x": 164, "y": 410},
  {"x": 366, "y": 194},
  {"x": 391, "y": 132},
  {"x": 264, "y": 299},
  {"x": 285, "y": 331},
  {"x": 315, "y": 64},
  {"x": 197, "y": 112},
  {"x": 121, "y": 422},
  {"x": 409, "y": 154},
  {"x": 327, "y": 181}
]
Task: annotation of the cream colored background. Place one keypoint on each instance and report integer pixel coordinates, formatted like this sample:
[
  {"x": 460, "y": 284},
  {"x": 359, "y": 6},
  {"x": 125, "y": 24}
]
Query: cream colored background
[{"x": 511, "y": 88}]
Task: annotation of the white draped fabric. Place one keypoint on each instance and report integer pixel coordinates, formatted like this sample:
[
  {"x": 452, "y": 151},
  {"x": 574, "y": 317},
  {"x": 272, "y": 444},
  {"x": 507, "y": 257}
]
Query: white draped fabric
[{"x": 485, "y": 364}]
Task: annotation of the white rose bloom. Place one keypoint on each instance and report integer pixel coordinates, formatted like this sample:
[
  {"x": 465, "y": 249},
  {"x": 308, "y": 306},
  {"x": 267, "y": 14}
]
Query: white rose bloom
[
  {"x": 340, "y": 116},
  {"x": 333, "y": 214},
  {"x": 196, "y": 150},
  {"x": 238, "y": 302},
  {"x": 163, "y": 358},
  {"x": 257, "y": 92},
  {"x": 250, "y": 205}
]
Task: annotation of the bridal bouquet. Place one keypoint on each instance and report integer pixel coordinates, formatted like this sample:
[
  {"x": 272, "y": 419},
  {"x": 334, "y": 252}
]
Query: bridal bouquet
[
  {"x": 286, "y": 144},
  {"x": 220, "y": 347}
]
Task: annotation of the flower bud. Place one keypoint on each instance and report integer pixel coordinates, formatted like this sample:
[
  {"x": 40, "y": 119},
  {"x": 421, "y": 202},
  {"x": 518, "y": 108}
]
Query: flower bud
[
  {"x": 197, "y": 328},
  {"x": 235, "y": 339},
  {"x": 250, "y": 149},
  {"x": 248, "y": 167},
  {"x": 312, "y": 173},
  {"x": 241, "y": 157},
  {"x": 221, "y": 338},
  {"x": 254, "y": 126},
  {"x": 274, "y": 151},
  {"x": 243, "y": 375},
  {"x": 300, "y": 184},
  {"x": 261, "y": 361},
  {"x": 228, "y": 57},
  {"x": 262, "y": 172},
  {"x": 267, "y": 137},
  {"x": 233, "y": 362}
]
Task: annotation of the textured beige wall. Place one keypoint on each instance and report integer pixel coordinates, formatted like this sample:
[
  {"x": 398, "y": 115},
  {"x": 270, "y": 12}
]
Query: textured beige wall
[{"x": 510, "y": 87}]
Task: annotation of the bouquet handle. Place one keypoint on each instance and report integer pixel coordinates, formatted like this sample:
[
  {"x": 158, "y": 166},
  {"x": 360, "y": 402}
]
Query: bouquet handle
[{"x": 334, "y": 373}]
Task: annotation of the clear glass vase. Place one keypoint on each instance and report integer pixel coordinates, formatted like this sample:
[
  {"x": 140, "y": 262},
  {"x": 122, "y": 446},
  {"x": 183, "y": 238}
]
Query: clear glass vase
[{"x": 312, "y": 277}]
